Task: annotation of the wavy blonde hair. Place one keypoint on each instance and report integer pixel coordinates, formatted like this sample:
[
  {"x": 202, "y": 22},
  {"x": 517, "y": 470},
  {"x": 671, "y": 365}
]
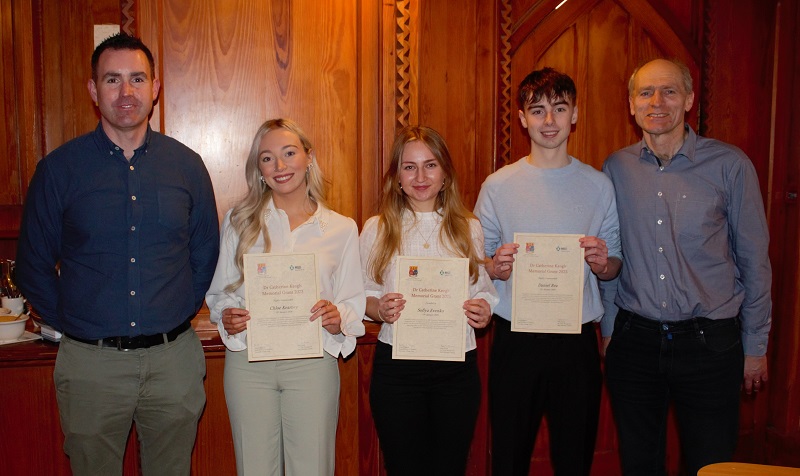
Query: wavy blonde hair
[
  {"x": 455, "y": 234},
  {"x": 247, "y": 217}
]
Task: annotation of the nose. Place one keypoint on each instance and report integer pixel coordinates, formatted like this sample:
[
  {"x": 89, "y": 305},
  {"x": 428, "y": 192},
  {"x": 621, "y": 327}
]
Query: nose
[
  {"x": 419, "y": 176},
  {"x": 656, "y": 99},
  {"x": 127, "y": 88},
  {"x": 279, "y": 164},
  {"x": 548, "y": 117}
]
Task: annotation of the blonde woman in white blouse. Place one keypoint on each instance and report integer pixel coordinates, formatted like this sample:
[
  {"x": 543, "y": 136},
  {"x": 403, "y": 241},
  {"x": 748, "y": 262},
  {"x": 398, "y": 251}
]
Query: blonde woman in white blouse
[
  {"x": 283, "y": 413},
  {"x": 424, "y": 411}
]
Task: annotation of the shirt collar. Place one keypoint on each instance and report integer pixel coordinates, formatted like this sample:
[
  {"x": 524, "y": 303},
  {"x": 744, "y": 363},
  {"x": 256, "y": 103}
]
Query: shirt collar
[
  {"x": 320, "y": 219},
  {"x": 687, "y": 150},
  {"x": 106, "y": 143}
]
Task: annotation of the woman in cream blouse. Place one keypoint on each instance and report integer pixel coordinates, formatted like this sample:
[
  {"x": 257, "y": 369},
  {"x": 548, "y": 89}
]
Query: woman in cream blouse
[{"x": 424, "y": 411}]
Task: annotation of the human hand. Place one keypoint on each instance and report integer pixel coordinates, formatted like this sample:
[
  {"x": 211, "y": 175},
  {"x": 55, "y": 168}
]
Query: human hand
[
  {"x": 390, "y": 306},
  {"x": 234, "y": 320},
  {"x": 502, "y": 261},
  {"x": 331, "y": 319},
  {"x": 595, "y": 254},
  {"x": 755, "y": 373},
  {"x": 604, "y": 348},
  {"x": 478, "y": 312}
]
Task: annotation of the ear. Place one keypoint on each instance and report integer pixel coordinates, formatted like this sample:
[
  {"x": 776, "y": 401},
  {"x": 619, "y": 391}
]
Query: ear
[
  {"x": 575, "y": 115},
  {"x": 156, "y": 88},
  {"x": 689, "y": 101},
  {"x": 522, "y": 119},
  {"x": 92, "y": 90},
  {"x": 630, "y": 104}
]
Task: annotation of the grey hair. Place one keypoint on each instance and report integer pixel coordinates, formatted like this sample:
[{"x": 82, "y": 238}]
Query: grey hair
[{"x": 687, "y": 75}]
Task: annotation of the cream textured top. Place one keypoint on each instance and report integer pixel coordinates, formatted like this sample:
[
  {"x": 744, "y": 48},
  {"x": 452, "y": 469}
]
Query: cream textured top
[{"x": 416, "y": 233}]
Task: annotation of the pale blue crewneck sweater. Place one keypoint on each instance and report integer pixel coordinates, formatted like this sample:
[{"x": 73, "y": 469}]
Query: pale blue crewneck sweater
[{"x": 575, "y": 199}]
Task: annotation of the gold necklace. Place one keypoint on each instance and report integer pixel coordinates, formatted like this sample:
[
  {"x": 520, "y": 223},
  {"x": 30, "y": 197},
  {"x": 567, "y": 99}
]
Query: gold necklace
[{"x": 426, "y": 243}]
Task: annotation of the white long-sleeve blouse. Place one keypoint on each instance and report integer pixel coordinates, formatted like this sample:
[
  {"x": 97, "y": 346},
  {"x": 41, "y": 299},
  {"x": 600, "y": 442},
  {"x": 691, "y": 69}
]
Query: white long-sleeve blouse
[{"x": 334, "y": 239}]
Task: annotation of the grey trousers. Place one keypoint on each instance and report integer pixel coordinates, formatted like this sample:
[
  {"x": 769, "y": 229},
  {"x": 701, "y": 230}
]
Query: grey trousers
[{"x": 101, "y": 390}]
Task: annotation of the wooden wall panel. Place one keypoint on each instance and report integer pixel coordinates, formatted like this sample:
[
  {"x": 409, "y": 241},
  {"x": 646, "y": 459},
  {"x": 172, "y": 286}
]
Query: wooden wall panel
[
  {"x": 783, "y": 414},
  {"x": 9, "y": 145},
  {"x": 229, "y": 66}
]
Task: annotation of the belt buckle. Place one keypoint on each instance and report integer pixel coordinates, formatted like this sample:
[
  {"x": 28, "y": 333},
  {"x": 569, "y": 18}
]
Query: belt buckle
[{"x": 118, "y": 341}]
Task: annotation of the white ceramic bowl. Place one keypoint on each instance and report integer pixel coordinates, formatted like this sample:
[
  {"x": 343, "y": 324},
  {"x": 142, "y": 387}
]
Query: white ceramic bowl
[{"x": 13, "y": 329}]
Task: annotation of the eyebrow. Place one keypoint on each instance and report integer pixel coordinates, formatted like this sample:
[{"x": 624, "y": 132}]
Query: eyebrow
[
  {"x": 116, "y": 74},
  {"x": 282, "y": 148},
  {"x": 559, "y": 102},
  {"x": 427, "y": 161}
]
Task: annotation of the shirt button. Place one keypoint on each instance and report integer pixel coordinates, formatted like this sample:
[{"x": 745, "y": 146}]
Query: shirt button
[
  {"x": 133, "y": 197},
  {"x": 664, "y": 304},
  {"x": 661, "y": 168},
  {"x": 131, "y": 167},
  {"x": 133, "y": 228},
  {"x": 660, "y": 221},
  {"x": 133, "y": 293},
  {"x": 133, "y": 324},
  {"x": 660, "y": 249},
  {"x": 659, "y": 193},
  {"x": 133, "y": 260},
  {"x": 662, "y": 277}
]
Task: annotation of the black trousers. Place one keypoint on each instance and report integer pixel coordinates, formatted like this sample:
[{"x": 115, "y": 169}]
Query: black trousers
[
  {"x": 553, "y": 375},
  {"x": 697, "y": 366},
  {"x": 424, "y": 412}
]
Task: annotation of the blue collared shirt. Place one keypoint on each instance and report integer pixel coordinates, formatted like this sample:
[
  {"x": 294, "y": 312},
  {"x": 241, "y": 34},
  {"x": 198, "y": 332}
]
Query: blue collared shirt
[
  {"x": 136, "y": 242},
  {"x": 694, "y": 236}
]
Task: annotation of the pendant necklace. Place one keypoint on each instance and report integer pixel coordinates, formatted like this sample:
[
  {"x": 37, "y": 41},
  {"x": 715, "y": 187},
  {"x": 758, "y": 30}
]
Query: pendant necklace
[{"x": 426, "y": 243}]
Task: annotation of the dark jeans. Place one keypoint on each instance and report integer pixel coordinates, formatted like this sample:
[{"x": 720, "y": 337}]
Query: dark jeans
[
  {"x": 697, "y": 365},
  {"x": 555, "y": 375},
  {"x": 424, "y": 412}
]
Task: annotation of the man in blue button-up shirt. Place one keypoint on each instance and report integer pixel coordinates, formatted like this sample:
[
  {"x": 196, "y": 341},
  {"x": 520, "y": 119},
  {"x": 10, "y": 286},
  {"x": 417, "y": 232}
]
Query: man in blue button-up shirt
[
  {"x": 694, "y": 291},
  {"x": 118, "y": 245}
]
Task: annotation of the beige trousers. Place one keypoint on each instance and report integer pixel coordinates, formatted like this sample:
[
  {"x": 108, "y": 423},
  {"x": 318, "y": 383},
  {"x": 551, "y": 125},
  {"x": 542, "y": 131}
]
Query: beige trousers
[{"x": 283, "y": 414}]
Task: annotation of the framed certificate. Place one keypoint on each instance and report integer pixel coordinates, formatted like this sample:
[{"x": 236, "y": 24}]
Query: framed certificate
[
  {"x": 280, "y": 290},
  {"x": 433, "y": 325},
  {"x": 547, "y": 284}
]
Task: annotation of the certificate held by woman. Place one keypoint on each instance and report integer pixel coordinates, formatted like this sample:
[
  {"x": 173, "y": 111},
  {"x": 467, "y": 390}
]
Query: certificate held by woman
[
  {"x": 433, "y": 326},
  {"x": 280, "y": 290}
]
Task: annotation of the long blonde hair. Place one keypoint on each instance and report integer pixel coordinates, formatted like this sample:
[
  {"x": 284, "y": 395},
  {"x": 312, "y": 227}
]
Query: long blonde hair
[
  {"x": 247, "y": 217},
  {"x": 455, "y": 234}
]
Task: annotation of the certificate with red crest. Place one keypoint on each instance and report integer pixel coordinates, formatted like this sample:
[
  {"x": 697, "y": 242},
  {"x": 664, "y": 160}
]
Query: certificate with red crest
[
  {"x": 280, "y": 290},
  {"x": 547, "y": 284},
  {"x": 433, "y": 325}
]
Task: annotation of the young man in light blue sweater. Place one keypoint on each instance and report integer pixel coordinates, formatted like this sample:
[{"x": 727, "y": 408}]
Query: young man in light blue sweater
[{"x": 542, "y": 374}]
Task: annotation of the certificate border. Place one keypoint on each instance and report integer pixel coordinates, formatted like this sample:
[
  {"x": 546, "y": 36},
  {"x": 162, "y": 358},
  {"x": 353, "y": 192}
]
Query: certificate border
[
  {"x": 318, "y": 327},
  {"x": 463, "y": 341},
  {"x": 520, "y": 238}
]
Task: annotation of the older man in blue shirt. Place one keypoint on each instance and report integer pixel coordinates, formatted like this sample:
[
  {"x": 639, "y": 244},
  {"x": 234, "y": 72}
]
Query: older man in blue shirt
[
  {"x": 118, "y": 245},
  {"x": 694, "y": 290}
]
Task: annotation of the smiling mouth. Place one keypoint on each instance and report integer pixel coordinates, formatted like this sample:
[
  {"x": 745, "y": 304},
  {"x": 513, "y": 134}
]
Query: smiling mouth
[
  {"x": 283, "y": 178},
  {"x": 549, "y": 134}
]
